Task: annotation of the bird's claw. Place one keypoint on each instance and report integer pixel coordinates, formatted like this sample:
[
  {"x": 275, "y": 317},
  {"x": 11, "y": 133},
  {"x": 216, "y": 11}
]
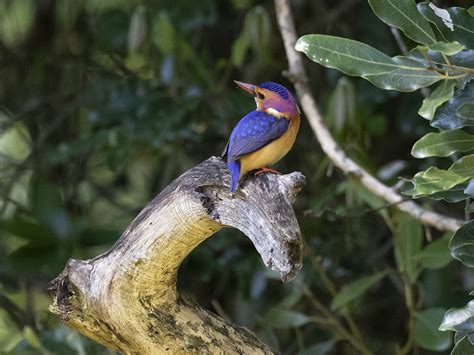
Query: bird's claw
[{"x": 267, "y": 170}]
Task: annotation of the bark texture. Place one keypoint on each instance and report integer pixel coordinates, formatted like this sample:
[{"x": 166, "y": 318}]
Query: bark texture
[{"x": 126, "y": 298}]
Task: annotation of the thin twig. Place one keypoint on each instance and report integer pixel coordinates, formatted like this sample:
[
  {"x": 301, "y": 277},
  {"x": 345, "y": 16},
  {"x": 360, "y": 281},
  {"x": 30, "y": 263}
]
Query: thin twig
[
  {"x": 399, "y": 40},
  {"x": 411, "y": 319},
  {"x": 296, "y": 73}
]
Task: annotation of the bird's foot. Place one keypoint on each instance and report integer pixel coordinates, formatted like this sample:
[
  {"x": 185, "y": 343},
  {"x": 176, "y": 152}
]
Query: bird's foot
[{"x": 267, "y": 170}]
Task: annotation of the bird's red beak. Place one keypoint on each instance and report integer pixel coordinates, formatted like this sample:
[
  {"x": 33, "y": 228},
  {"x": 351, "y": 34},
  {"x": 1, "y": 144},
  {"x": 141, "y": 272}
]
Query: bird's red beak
[{"x": 247, "y": 87}]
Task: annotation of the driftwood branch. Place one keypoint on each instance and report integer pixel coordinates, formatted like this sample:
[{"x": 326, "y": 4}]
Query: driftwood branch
[
  {"x": 126, "y": 298},
  {"x": 297, "y": 74}
]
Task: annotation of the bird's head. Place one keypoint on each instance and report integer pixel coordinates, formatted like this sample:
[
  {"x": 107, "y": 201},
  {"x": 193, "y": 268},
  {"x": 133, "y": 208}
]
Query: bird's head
[{"x": 272, "y": 98}]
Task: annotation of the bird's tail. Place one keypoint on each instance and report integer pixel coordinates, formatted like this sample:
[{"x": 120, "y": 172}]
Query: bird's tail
[{"x": 234, "y": 169}]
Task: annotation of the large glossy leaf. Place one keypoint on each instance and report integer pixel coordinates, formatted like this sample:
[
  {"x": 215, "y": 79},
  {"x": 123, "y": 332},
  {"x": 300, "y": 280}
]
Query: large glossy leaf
[
  {"x": 436, "y": 254},
  {"x": 453, "y": 195},
  {"x": 448, "y": 48},
  {"x": 448, "y": 117},
  {"x": 459, "y": 319},
  {"x": 463, "y": 347},
  {"x": 408, "y": 240},
  {"x": 443, "y": 144},
  {"x": 438, "y": 96},
  {"x": 356, "y": 58},
  {"x": 426, "y": 330},
  {"x": 453, "y": 24},
  {"x": 462, "y": 244},
  {"x": 434, "y": 180},
  {"x": 355, "y": 289},
  {"x": 404, "y": 15}
]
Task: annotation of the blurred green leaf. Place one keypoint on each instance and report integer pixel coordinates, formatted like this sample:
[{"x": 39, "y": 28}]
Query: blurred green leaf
[
  {"x": 463, "y": 347},
  {"x": 32, "y": 339},
  {"x": 36, "y": 234},
  {"x": 30, "y": 260},
  {"x": 258, "y": 27},
  {"x": 403, "y": 14},
  {"x": 137, "y": 29},
  {"x": 437, "y": 97},
  {"x": 443, "y": 144},
  {"x": 462, "y": 244},
  {"x": 164, "y": 35},
  {"x": 453, "y": 24},
  {"x": 48, "y": 207},
  {"x": 342, "y": 105},
  {"x": 14, "y": 142},
  {"x": 318, "y": 348},
  {"x": 281, "y": 318},
  {"x": 426, "y": 331},
  {"x": 239, "y": 48},
  {"x": 16, "y": 18},
  {"x": 355, "y": 289},
  {"x": 408, "y": 236},
  {"x": 112, "y": 29},
  {"x": 10, "y": 336},
  {"x": 436, "y": 254},
  {"x": 356, "y": 58},
  {"x": 459, "y": 319}
]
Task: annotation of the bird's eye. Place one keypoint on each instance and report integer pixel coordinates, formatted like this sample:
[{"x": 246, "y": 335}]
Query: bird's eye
[{"x": 260, "y": 95}]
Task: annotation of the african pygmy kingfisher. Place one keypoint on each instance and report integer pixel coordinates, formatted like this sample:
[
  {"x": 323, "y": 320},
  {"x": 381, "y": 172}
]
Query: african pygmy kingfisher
[{"x": 264, "y": 135}]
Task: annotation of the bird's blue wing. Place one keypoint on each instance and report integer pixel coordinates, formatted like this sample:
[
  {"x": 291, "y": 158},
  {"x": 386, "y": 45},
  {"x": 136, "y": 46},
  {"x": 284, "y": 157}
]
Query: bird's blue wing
[{"x": 253, "y": 132}]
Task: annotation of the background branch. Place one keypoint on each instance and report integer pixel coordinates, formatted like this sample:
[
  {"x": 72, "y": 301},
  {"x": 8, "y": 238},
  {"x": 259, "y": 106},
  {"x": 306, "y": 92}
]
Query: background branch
[{"x": 296, "y": 73}]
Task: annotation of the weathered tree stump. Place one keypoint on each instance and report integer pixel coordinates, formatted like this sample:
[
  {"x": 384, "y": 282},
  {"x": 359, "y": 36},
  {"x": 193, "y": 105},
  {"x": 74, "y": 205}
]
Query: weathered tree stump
[{"x": 126, "y": 298}]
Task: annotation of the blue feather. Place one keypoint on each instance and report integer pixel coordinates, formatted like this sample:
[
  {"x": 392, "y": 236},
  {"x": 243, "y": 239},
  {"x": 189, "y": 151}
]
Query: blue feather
[
  {"x": 279, "y": 89},
  {"x": 254, "y": 131},
  {"x": 234, "y": 169}
]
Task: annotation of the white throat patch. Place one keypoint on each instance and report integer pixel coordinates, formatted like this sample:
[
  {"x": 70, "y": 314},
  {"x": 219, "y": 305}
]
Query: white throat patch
[{"x": 273, "y": 112}]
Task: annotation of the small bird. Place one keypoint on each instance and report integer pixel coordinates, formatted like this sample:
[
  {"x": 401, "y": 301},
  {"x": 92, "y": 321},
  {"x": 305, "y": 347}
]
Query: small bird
[{"x": 264, "y": 135}]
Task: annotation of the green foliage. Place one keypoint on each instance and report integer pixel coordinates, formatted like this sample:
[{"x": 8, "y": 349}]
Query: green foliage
[
  {"x": 279, "y": 318},
  {"x": 355, "y": 289},
  {"x": 408, "y": 242},
  {"x": 462, "y": 244},
  {"x": 355, "y": 58},
  {"x": 443, "y": 144},
  {"x": 453, "y": 24},
  {"x": 426, "y": 330},
  {"x": 436, "y": 254},
  {"x": 442, "y": 93},
  {"x": 403, "y": 14},
  {"x": 443, "y": 51}
]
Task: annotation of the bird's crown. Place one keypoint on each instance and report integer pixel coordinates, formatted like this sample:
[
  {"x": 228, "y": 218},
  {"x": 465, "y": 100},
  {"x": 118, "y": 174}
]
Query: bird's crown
[{"x": 272, "y": 98}]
